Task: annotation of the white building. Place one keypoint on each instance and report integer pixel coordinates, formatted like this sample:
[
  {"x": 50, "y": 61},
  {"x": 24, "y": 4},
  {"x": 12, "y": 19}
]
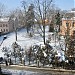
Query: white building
[{"x": 6, "y": 25}]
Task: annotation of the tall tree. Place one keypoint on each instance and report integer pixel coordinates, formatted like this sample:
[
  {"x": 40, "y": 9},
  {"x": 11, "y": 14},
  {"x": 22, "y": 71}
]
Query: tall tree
[
  {"x": 2, "y": 9},
  {"x": 70, "y": 52},
  {"x": 51, "y": 25},
  {"x": 41, "y": 15},
  {"x": 25, "y": 6},
  {"x": 58, "y": 21},
  {"x": 30, "y": 18},
  {"x": 19, "y": 14},
  {"x": 42, "y": 7}
]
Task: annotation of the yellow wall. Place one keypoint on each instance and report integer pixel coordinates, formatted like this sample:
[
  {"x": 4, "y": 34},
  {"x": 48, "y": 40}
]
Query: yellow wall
[{"x": 71, "y": 28}]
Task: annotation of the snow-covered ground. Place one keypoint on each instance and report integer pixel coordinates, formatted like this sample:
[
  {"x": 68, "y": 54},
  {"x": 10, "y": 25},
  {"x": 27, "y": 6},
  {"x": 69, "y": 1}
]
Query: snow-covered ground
[
  {"x": 25, "y": 41},
  {"x": 23, "y": 72}
]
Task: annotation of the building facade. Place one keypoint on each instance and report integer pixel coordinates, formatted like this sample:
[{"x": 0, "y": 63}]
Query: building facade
[
  {"x": 6, "y": 25},
  {"x": 68, "y": 26}
]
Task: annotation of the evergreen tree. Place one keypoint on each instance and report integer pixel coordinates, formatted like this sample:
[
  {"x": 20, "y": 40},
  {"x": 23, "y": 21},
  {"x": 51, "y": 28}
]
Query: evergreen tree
[
  {"x": 30, "y": 18},
  {"x": 51, "y": 26},
  {"x": 58, "y": 20},
  {"x": 70, "y": 53}
]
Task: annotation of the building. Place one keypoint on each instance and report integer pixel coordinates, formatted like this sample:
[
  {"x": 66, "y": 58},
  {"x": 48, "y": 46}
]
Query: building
[
  {"x": 68, "y": 24},
  {"x": 6, "y": 25}
]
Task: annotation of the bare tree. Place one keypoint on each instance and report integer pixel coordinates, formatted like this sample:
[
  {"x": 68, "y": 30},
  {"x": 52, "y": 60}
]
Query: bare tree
[
  {"x": 19, "y": 14},
  {"x": 41, "y": 11},
  {"x": 25, "y": 7},
  {"x": 2, "y": 9}
]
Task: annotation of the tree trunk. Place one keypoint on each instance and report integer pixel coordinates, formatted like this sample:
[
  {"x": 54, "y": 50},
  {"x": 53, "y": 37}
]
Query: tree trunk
[
  {"x": 44, "y": 33},
  {"x": 16, "y": 35}
]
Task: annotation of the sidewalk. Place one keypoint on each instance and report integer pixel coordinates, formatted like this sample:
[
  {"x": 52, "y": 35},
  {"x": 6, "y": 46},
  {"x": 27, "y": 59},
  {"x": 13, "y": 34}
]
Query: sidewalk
[{"x": 41, "y": 69}]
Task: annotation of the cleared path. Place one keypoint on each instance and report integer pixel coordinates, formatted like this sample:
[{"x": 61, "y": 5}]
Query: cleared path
[{"x": 44, "y": 70}]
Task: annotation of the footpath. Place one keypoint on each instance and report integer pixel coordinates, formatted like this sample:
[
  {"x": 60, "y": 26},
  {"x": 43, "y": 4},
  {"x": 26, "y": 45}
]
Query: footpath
[{"x": 39, "y": 69}]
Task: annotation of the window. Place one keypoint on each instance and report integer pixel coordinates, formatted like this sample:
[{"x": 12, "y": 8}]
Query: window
[
  {"x": 1, "y": 30},
  {"x": 73, "y": 32},
  {"x": 6, "y": 25},
  {"x": 7, "y": 30},
  {"x": 4, "y": 30},
  {"x": 0, "y": 25},
  {"x": 70, "y": 24},
  {"x": 73, "y": 24},
  {"x": 67, "y": 24},
  {"x": 3, "y": 25}
]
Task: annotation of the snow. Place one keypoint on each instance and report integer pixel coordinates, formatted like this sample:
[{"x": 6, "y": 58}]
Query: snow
[
  {"x": 23, "y": 72},
  {"x": 25, "y": 41},
  {"x": 1, "y": 54},
  {"x": 4, "y": 19}
]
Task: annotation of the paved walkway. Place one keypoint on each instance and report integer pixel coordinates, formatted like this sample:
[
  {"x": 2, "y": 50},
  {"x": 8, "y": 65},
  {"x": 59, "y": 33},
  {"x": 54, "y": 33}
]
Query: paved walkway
[{"x": 41, "y": 69}]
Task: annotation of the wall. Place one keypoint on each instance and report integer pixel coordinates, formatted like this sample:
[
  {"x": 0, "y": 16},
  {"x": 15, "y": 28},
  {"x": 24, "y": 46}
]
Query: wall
[{"x": 70, "y": 28}]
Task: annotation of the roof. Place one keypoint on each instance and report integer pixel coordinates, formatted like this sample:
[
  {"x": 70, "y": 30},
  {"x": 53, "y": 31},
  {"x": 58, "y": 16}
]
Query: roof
[
  {"x": 4, "y": 19},
  {"x": 73, "y": 18},
  {"x": 72, "y": 11}
]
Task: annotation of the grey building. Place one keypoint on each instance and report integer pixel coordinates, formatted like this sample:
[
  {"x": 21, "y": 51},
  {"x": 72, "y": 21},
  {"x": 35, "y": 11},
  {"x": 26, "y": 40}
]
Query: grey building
[{"x": 6, "y": 25}]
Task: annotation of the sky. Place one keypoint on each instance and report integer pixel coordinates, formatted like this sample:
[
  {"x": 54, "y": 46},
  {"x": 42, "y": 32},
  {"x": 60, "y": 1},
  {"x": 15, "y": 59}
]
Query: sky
[
  {"x": 65, "y": 4},
  {"x": 62, "y": 4}
]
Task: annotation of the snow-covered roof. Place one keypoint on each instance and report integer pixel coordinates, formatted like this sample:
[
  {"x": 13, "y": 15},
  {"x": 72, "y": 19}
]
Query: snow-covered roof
[
  {"x": 4, "y": 19},
  {"x": 72, "y": 11},
  {"x": 73, "y": 18}
]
